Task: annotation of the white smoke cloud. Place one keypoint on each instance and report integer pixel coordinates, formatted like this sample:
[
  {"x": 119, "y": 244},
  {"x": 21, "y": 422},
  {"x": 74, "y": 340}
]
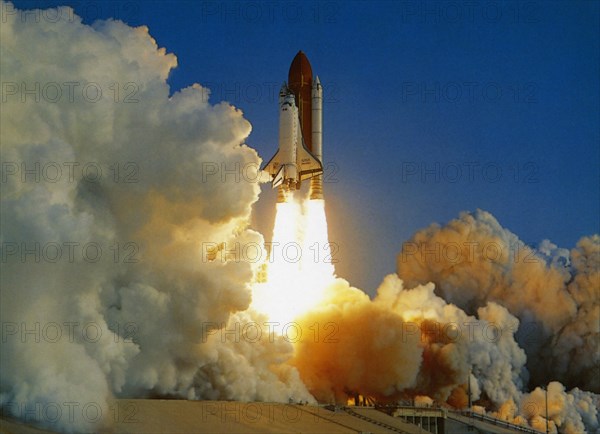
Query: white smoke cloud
[
  {"x": 131, "y": 322},
  {"x": 568, "y": 412}
]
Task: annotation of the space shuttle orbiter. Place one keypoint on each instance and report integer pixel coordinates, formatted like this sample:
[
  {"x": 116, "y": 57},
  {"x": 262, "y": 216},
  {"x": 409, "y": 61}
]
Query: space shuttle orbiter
[{"x": 293, "y": 162}]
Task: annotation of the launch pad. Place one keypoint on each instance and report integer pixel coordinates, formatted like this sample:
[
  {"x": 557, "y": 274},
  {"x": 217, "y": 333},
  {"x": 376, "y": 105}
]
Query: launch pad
[{"x": 180, "y": 416}]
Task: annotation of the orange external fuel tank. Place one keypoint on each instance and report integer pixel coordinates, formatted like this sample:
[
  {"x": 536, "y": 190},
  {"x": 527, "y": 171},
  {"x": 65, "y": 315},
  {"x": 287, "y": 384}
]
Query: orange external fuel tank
[{"x": 300, "y": 82}]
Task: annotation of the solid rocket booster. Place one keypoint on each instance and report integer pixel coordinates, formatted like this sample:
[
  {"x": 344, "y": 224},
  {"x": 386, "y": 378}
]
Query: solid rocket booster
[
  {"x": 300, "y": 152},
  {"x": 316, "y": 182}
]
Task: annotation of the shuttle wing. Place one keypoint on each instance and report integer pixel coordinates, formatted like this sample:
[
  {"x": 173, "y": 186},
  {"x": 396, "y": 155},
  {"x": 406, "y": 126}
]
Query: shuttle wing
[{"x": 272, "y": 167}]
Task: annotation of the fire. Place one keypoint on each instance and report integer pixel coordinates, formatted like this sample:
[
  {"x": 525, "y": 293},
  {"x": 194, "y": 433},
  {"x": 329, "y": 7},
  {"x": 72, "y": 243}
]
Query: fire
[{"x": 300, "y": 264}]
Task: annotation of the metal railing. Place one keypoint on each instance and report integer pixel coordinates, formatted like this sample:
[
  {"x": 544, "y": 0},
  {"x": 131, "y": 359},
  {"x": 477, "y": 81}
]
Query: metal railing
[
  {"x": 498, "y": 422},
  {"x": 374, "y": 421}
]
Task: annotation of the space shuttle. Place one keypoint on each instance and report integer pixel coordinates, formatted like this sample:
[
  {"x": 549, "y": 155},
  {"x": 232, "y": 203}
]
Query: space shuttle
[{"x": 299, "y": 156}]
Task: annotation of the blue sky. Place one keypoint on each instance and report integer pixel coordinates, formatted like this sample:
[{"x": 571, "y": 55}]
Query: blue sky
[{"x": 431, "y": 108}]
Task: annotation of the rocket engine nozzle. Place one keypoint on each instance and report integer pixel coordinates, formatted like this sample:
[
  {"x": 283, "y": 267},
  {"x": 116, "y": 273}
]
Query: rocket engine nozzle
[{"x": 316, "y": 187}]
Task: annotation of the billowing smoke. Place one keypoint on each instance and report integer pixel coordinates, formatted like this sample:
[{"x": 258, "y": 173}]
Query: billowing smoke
[
  {"x": 410, "y": 340},
  {"x": 473, "y": 261},
  {"x": 113, "y": 192},
  {"x": 352, "y": 345},
  {"x": 573, "y": 412},
  {"x": 110, "y": 187}
]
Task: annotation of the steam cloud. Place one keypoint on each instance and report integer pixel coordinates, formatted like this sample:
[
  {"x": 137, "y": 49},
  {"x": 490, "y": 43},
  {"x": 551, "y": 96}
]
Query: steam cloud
[
  {"x": 149, "y": 314},
  {"x": 471, "y": 303},
  {"x": 553, "y": 292}
]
